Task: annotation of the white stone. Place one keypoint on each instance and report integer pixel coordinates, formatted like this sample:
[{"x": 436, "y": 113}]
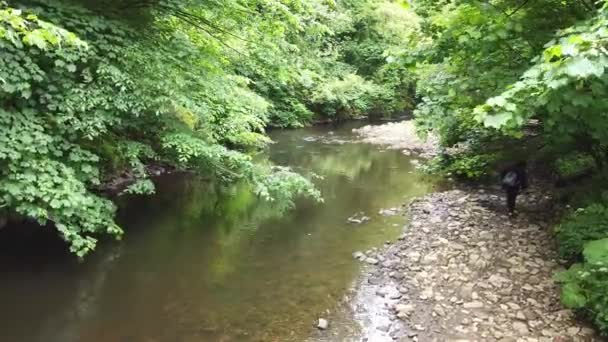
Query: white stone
[
  {"x": 371, "y": 261},
  {"x": 520, "y": 328},
  {"x": 473, "y": 305}
]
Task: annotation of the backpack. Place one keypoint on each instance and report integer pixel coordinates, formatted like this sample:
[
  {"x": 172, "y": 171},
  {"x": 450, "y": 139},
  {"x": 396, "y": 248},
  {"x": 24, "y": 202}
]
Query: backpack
[{"x": 511, "y": 180}]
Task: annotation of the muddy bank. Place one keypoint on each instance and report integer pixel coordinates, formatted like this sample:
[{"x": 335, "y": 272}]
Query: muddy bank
[
  {"x": 400, "y": 136},
  {"x": 464, "y": 271}
]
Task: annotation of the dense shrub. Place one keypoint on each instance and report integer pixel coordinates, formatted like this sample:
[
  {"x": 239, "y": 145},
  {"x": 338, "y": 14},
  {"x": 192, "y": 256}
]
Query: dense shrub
[
  {"x": 574, "y": 164},
  {"x": 581, "y": 226},
  {"x": 464, "y": 165},
  {"x": 585, "y": 285},
  {"x": 345, "y": 98}
]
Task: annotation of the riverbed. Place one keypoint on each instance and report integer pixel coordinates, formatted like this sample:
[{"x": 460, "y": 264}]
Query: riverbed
[{"x": 200, "y": 262}]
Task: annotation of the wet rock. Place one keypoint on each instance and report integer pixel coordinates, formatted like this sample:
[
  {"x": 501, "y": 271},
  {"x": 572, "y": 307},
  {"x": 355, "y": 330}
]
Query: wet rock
[
  {"x": 322, "y": 324},
  {"x": 358, "y": 218},
  {"x": 389, "y": 212},
  {"x": 358, "y": 255},
  {"x": 371, "y": 261}
]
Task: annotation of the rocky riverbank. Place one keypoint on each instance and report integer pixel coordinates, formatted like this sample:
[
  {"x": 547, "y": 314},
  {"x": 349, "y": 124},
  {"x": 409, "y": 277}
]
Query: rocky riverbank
[
  {"x": 400, "y": 136},
  {"x": 464, "y": 271}
]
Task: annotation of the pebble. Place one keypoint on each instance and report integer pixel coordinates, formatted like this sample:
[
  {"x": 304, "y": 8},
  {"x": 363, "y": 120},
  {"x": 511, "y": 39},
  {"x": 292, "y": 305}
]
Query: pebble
[
  {"x": 473, "y": 305},
  {"x": 520, "y": 328},
  {"x": 405, "y": 309},
  {"x": 371, "y": 261},
  {"x": 395, "y": 295},
  {"x": 322, "y": 324}
]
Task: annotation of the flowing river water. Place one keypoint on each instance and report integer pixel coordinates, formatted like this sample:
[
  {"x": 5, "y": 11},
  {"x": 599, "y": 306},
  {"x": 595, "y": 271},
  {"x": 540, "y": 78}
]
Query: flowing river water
[{"x": 202, "y": 263}]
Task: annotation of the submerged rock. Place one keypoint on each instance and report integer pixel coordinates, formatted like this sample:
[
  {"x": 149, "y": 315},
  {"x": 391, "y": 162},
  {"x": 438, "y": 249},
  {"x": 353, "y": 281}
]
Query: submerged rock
[{"x": 358, "y": 218}]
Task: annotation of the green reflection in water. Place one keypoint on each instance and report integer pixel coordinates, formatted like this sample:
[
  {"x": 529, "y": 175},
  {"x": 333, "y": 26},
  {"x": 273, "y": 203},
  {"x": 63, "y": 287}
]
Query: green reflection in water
[{"x": 204, "y": 263}]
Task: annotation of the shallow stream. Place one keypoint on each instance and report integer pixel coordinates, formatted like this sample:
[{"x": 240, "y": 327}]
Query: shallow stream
[{"x": 201, "y": 263}]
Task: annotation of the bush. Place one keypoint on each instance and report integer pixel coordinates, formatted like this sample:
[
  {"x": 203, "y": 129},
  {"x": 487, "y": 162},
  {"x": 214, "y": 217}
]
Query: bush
[
  {"x": 464, "y": 166},
  {"x": 345, "y": 98},
  {"x": 585, "y": 285},
  {"x": 574, "y": 164},
  {"x": 583, "y": 225},
  {"x": 292, "y": 114}
]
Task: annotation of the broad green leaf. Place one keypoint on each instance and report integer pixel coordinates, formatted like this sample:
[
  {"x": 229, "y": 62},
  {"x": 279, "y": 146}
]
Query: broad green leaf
[
  {"x": 596, "y": 252},
  {"x": 573, "y": 296},
  {"x": 497, "y": 120},
  {"x": 36, "y": 38},
  {"x": 581, "y": 67}
]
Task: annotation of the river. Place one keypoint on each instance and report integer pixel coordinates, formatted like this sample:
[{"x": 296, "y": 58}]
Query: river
[{"x": 204, "y": 263}]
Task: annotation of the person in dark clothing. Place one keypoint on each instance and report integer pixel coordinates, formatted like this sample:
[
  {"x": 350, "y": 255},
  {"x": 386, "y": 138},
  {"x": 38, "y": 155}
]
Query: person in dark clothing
[{"x": 513, "y": 180}]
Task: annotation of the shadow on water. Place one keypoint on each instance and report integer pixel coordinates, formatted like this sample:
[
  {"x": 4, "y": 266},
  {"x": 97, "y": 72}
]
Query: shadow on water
[{"x": 204, "y": 263}]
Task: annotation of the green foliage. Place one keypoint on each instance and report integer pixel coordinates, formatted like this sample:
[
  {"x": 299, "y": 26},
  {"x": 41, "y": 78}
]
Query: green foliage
[
  {"x": 91, "y": 92},
  {"x": 345, "y": 53},
  {"x": 581, "y": 226},
  {"x": 464, "y": 166},
  {"x": 281, "y": 184},
  {"x": 574, "y": 164},
  {"x": 565, "y": 88},
  {"x": 377, "y": 45},
  {"x": 472, "y": 52},
  {"x": 584, "y": 286},
  {"x": 345, "y": 98}
]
